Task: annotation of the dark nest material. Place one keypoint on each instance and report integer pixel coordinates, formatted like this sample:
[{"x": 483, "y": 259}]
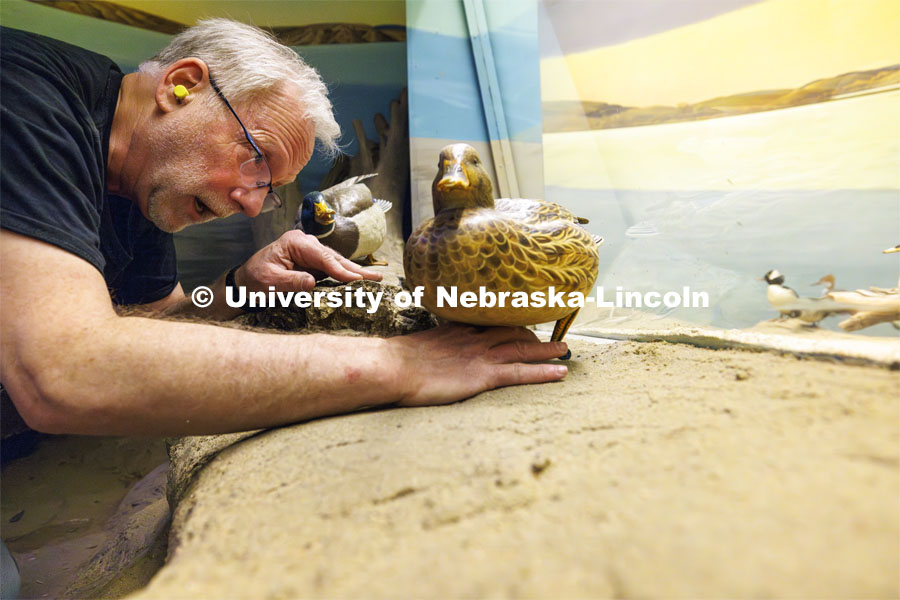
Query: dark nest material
[{"x": 387, "y": 321}]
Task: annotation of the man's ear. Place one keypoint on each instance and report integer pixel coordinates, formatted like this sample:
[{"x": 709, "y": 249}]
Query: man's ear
[{"x": 191, "y": 73}]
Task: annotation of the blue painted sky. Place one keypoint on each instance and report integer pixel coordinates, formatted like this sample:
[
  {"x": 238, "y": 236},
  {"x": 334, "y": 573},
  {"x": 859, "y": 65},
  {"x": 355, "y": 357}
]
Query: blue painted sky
[{"x": 445, "y": 101}]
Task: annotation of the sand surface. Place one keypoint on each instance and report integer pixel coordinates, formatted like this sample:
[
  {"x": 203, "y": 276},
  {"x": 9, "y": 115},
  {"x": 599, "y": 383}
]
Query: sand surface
[
  {"x": 653, "y": 470},
  {"x": 80, "y": 513}
]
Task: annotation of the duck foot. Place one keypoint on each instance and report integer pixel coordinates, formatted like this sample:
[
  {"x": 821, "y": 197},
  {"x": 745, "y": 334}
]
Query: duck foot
[
  {"x": 370, "y": 261},
  {"x": 559, "y": 332}
]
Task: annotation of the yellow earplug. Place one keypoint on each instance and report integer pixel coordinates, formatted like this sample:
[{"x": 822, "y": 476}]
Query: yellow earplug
[{"x": 180, "y": 92}]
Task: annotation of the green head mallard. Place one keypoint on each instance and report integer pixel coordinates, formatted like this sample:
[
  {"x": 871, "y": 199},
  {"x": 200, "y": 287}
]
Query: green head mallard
[
  {"x": 346, "y": 218},
  {"x": 315, "y": 216}
]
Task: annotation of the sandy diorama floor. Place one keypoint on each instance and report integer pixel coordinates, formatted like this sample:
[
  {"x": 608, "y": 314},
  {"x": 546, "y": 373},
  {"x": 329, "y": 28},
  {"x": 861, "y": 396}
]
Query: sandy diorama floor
[
  {"x": 654, "y": 469},
  {"x": 62, "y": 504}
]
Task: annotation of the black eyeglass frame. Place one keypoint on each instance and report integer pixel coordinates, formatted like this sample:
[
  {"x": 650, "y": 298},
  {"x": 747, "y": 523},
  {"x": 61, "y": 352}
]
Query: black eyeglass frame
[{"x": 276, "y": 199}]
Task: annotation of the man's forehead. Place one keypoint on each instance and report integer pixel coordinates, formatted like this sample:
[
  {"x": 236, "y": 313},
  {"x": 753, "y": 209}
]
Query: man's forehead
[{"x": 283, "y": 131}]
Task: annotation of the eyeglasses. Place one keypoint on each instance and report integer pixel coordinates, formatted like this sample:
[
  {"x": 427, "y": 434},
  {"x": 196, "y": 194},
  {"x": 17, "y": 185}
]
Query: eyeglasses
[{"x": 254, "y": 172}]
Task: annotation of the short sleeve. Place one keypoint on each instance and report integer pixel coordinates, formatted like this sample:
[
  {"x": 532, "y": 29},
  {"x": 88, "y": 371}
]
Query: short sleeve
[
  {"x": 53, "y": 163},
  {"x": 57, "y": 104}
]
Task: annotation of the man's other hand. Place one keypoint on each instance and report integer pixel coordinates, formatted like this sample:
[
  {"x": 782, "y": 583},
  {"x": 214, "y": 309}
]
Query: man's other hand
[
  {"x": 453, "y": 362},
  {"x": 294, "y": 262}
]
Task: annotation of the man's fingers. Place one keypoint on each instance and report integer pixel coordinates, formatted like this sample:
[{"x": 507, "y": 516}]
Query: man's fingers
[
  {"x": 503, "y": 335},
  {"x": 522, "y": 351},
  {"x": 497, "y": 336},
  {"x": 519, "y": 374},
  {"x": 352, "y": 266},
  {"x": 342, "y": 269},
  {"x": 301, "y": 281},
  {"x": 331, "y": 265},
  {"x": 307, "y": 252}
]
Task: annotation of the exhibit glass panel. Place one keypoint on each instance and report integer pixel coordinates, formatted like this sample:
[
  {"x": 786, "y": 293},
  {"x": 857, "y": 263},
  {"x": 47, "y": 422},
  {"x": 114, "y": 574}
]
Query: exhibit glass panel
[{"x": 709, "y": 142}]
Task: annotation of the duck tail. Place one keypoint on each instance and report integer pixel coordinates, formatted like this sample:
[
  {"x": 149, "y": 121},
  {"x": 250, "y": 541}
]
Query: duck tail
[
  {"x": 360, "y": 178},
  {"x": 347, "y": 183},
  {"x": 384, "y": 205}
]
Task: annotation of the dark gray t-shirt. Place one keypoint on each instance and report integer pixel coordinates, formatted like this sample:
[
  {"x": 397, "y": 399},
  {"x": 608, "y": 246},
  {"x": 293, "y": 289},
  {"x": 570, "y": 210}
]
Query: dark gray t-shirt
[{"x": 57, "y": 103}]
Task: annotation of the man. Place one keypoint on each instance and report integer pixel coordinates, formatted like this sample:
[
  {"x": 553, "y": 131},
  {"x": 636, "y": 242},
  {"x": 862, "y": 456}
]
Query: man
[{"x": 96, "y": 166}]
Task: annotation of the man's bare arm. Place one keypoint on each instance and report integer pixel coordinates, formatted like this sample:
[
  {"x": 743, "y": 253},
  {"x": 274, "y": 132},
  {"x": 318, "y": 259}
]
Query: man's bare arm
[{"x": 72, "y": 365}]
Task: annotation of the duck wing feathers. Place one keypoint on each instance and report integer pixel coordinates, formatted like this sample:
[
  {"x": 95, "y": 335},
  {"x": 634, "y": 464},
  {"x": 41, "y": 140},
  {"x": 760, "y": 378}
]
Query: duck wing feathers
[
  {"x": 349, "y": 201},
  {"x": 350, "y": 182},
  {"x": 503, "y": 251},
  {"x": 535, "y": 210}
]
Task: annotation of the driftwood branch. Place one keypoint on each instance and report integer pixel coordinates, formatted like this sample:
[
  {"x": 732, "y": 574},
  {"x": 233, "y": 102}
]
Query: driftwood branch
[
  {"x": 867, "y": 307},
  {"x": 366, "y": 149},
  {"x": 867, "y": 319},
  {"x": 389, "y": 157},
  {"x": 302, "y": 35}
]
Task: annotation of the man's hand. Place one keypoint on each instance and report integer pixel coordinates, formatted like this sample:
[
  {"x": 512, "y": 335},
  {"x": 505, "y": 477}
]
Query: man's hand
[
  {"x": 294, "y": 262},
  {"x": 454, "y": 362}
]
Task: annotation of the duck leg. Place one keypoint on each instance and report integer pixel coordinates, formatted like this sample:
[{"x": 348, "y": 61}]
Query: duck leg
[
  {"x": 370, "y": 261},
  {"x": 559, "y": 332}
]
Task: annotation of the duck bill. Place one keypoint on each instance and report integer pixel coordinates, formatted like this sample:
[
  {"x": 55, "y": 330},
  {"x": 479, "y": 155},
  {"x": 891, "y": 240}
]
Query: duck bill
[
  {"x": 453, "y": 178},
  {"x": 324, "y": 215}
]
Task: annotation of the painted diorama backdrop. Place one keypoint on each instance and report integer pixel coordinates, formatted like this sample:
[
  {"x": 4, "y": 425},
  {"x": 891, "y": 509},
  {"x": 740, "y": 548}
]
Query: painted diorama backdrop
[
  {"x": 474, "y": 77},
  {"x": 712, "y": 140}
]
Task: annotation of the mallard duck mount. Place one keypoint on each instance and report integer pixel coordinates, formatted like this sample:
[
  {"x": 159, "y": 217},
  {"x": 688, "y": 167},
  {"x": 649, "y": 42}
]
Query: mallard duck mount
[
  {"x": 346, "y": 218},
  {"x": 504, "y": 245}
]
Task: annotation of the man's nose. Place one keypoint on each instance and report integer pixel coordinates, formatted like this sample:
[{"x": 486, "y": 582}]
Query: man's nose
[{"x": 250, "y": 200}]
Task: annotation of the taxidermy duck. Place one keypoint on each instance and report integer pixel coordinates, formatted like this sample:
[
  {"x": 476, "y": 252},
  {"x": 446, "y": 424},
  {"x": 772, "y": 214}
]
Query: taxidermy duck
[
  {"x": 505, "y": 245},
  {"x": 828, "y": 282},
  {"x": 346, "y": 218},
  {"x": 895, "y": 290},
  {"x": 789, "y": 303},
  {"x": 781, "y": 297}
]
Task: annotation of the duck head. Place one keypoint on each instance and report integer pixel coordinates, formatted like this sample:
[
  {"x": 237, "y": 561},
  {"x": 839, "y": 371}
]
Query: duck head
[
  {"x": 315, "y": 216},
  {"x": 461, "y": 180},
  {"x": 827, "y": 281},
  {"x": 773, "y": 277}
]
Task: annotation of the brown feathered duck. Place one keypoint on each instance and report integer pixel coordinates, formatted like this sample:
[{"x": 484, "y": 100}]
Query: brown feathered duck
[{"x": 505, "y": 245}]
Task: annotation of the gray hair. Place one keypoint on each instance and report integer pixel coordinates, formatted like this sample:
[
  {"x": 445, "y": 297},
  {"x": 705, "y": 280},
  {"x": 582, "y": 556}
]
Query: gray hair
[{"x": 247, "y": 62}]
